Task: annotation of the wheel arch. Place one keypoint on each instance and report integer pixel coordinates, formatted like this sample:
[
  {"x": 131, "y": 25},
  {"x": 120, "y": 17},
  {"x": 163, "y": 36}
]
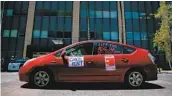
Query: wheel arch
[
  {"x": 136, "y": 69},
  {"x": 41, "y": 68}
]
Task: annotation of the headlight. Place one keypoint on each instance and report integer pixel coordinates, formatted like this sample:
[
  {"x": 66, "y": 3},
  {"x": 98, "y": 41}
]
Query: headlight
[
  {"x": 28, "y": 61},
  {"x": 152, "y": 58}
]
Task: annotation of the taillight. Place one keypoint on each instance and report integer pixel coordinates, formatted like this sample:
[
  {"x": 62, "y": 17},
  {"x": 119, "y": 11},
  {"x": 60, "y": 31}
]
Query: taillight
[{"x": 151, "y": 57}]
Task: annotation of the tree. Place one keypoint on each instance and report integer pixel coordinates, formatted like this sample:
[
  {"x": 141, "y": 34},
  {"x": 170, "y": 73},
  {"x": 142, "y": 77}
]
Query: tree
[
  {"x": 163, "y": 36},
  {"x": 170, "y": 21}
]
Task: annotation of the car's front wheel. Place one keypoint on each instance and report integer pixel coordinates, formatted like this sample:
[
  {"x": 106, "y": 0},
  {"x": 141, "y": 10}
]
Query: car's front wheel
[
  {"x": 134, "y": 79},
  {"x": 41, "y": 79}
]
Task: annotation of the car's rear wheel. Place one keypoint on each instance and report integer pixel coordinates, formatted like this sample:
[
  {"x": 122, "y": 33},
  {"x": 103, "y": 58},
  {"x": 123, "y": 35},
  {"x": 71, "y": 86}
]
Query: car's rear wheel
[
  {"x": 41, "y": 78},
  {"x": 134, "y": 79}
]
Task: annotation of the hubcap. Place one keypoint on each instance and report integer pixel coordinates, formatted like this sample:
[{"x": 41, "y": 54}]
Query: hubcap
[
  {"x": 135, "y": 79},
  {"x": 41, "y": 78}
]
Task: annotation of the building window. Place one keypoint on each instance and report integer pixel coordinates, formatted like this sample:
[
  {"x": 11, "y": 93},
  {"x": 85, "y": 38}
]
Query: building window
[
  {"x": 60, "y": 23},
  {"x": 143, "y": 36},
  {"x": 113, "y": 14},
  {"x": 136, "y": 35},
  {"x": 114, "y": 36},
  {"x": 10, "y": 12},
  {"x": 106, "y": 35},
  {"x": 68, "y": 24},
  {"x": 53, "y": 23},
  {"x": 13, "y": 33},
  {"x": 45, "y": 22},
  {"x": 129, "y": 36},
  {"x": 44, "y": 34},
  {"x": 36, "y": 33},
  {"x": 128, "y": 15},
  {"x": 6, "y": 33}
]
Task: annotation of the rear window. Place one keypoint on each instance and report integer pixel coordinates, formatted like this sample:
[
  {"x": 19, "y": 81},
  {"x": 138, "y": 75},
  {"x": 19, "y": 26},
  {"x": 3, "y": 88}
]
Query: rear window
[{"x": 128, "y": 50}]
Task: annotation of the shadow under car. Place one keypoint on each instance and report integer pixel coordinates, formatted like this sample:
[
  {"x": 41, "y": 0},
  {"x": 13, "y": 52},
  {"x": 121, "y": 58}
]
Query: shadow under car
[{"x": 94, "y": 86}]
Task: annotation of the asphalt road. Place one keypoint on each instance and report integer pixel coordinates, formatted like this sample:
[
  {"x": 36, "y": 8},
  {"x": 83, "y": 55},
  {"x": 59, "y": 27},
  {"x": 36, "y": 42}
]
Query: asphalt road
[{"x": 11, "y": 86}]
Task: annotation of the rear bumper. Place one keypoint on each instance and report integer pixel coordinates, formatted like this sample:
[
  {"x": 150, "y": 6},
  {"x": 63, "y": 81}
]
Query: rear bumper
[{"x": 151, "y": 72}]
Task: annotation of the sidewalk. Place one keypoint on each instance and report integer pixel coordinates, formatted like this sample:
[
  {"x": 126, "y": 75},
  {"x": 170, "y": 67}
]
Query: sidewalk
[{"x": 165, "y": 71}]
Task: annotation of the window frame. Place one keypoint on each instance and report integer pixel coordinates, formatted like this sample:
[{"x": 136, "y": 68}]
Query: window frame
[
  {"x": 59, "y": 52},
  {"x": 128, "y": 47}
]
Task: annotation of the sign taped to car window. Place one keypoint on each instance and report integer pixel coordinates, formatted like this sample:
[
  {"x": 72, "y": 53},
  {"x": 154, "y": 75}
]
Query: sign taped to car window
[
  {"x": 76, "y": 61},
  {"x": 110, "y": 62}
]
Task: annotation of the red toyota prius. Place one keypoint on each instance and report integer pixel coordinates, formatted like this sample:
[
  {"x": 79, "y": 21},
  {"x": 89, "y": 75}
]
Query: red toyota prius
[{"x": 91, "y": 61}]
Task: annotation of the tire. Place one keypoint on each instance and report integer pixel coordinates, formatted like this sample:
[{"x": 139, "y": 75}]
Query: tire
[
  {"x": 41, "y": 78},
  {"x": 134, "y": 79}
]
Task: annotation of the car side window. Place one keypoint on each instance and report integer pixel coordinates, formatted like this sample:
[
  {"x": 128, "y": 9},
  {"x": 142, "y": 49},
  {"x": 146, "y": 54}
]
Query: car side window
[
  {"x": 107, "y": 48},
  {"x": 79, "y": 50},
  {"x": 128, "y": 50}
]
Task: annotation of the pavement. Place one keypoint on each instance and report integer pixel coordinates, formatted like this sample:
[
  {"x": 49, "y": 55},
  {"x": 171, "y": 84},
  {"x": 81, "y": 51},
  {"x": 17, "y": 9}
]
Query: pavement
[
  {"x": 166, "y": 71},
  {"x": 11, "y": 86}
]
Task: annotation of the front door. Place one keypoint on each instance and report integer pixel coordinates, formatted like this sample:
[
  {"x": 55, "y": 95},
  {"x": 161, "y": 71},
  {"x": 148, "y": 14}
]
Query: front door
[{"x": 76, "y": 61}]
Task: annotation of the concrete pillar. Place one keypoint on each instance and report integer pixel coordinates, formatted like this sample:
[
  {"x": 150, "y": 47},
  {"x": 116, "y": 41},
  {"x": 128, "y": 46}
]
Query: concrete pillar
[
  {"x": 123, "y": 22},
  {"x": 75, "y": 22},
  {"x": 120, "y": 22},
  {"x": 29, "y": 26}
]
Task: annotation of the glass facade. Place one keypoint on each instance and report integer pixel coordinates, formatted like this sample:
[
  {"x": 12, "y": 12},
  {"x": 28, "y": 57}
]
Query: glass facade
[
  {"x": 52, "y": 20},
  {"x": 98, "y": 20},
  {"x": 140, "y": 23},
  {"x": 13, "y": 27}
]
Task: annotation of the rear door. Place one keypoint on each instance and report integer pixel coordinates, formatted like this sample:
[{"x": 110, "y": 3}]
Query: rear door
[{"x": 104, "y": 58}]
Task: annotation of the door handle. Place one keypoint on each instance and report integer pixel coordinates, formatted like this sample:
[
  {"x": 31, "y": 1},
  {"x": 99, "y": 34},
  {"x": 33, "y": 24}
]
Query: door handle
[
  {"x": 90, "y": 64},
  {"x": 125, "y": 60}
]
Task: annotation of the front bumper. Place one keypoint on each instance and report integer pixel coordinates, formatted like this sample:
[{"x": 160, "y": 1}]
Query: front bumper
[
  {"x": 24, "y": 77},
  {"x": 151, "y": 72}
]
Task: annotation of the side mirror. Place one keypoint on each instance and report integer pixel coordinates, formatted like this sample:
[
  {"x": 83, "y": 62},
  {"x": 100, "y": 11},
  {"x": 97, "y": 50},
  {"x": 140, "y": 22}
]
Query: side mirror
[{"x": 63, "y": 54}]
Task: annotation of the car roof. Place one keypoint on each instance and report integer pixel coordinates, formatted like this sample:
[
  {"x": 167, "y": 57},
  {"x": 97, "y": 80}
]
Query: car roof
[
  {"x": 100, "y": 41},
  {"x": 114, "y": 42}
]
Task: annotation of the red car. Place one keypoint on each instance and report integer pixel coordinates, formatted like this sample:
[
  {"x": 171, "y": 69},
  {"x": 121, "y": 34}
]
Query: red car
[{"x": 91, "y": 61}]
